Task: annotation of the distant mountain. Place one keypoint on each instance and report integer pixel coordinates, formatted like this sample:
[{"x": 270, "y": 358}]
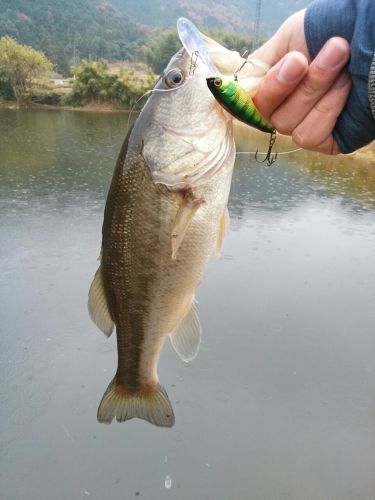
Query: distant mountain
[
  {"x": 236, "y": 15},
  {"x": 70, "y": 30}
]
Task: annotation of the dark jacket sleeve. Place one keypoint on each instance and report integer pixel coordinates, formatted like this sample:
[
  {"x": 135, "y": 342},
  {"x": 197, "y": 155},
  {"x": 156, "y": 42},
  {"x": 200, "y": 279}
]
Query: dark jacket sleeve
[
  {"x": 371, "y": 86},
  {"x": 355, "y": 21}
]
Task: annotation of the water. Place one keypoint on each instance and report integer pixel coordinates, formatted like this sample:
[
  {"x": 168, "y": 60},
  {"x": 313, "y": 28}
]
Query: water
[{"x": 279, "y": 404}]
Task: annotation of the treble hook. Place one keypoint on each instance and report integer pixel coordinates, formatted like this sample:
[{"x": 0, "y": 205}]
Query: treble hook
[
  {"x": 269, "y": 157},
  {"x": 235, "y": 74}
]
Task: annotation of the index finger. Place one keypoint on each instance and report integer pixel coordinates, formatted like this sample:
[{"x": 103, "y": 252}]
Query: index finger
[
  {"x": 280, "y": 82},
  {"x": 289, "y": 37}
]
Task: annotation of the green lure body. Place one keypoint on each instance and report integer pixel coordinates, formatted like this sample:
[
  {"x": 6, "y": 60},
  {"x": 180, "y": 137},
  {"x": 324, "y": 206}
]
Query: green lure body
[{"x": 238, "y": 103}]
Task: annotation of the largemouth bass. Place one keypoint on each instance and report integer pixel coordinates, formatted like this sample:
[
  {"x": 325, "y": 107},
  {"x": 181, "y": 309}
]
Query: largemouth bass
[{"x": 166, "y": 213}]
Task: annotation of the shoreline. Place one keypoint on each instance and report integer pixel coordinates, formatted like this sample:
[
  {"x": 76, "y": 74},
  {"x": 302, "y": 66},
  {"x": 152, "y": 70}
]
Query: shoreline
[
  {"x": 95, "y": 107},
  {"x": 367, "y": 153}
]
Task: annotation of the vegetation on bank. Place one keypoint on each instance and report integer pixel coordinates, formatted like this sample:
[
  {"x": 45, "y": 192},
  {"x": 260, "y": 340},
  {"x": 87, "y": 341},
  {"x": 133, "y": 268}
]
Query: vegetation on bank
[
  {"x": 19, "y": 66},
  {"x": 93, "y": 83},
  {"x": 24, "y": 72},
  {"x": 24, "y": 78}
]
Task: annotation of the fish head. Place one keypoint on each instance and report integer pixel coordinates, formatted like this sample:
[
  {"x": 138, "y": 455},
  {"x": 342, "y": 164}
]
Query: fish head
[
  {"x": 184, "y": 135},
  {"x": 181, "y": 97}
]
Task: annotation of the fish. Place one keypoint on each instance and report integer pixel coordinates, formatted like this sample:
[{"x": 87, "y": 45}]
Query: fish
[{"x": 165, "y": 215}]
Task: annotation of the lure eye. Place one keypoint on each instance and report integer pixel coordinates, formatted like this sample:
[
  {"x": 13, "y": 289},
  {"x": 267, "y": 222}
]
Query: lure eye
[
  {"x": 174, "y": 78},
  {"x": 217, "y": 82}
]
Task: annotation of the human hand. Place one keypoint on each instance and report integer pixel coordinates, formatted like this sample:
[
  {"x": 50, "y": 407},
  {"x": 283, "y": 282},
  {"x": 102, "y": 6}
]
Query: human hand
[{"x": 303, "y": 98}]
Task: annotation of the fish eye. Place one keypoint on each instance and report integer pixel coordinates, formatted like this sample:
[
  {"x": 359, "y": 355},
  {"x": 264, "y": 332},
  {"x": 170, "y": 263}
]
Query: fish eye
[
  {"x": 174, "y": 78},
  {"x": 218, "y": 81}
]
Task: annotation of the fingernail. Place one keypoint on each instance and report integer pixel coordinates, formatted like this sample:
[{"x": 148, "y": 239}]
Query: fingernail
[
  {"x": 292, "y": 68},
  {"x": 333, "y": 53}
]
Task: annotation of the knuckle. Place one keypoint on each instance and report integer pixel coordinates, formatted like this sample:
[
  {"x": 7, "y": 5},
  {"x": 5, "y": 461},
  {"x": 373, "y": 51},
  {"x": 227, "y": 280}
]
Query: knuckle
[
  {"x": 280, "y": 124},
  {"x": 303, "y": 138},
  {"x": 283, "y": 130},
  {"x": 311, "y": 86},
  {"x": 325, "y": 107}
]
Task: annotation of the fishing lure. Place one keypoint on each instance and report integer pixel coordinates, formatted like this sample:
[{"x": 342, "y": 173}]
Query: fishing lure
[
  {"x": 228, "y": 93},
  {"x": 238, "y": 103},
  {"x": 232, "y": 97}
]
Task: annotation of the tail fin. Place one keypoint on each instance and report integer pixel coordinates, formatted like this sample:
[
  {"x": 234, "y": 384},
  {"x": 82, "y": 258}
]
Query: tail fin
[{"x": 117, "y": 402}]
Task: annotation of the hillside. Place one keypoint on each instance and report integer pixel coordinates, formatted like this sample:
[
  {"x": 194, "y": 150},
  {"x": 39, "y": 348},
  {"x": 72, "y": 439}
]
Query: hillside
[
  {"x": 236, "y": 15},
  {"x": 70, "y": 30}
]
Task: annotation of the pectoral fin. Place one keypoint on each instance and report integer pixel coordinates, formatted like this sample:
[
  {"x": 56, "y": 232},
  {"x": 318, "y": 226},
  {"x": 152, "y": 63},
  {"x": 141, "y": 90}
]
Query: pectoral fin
[
  {"x": 221, "y": 232},
  {"x": 187, "y": 338},
  {"x": 184, "y": 216},
  {"x": 97, "y": 305}
]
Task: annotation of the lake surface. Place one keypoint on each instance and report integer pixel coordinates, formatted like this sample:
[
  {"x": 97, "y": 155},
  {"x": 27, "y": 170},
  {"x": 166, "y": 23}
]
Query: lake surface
[{"x": 280, "y": 402}]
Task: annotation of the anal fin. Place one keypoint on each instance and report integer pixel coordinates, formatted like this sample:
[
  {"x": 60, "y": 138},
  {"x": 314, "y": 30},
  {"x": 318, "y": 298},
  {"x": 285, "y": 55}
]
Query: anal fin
[
  {"x": 187, "y": 338},
  {"x": 97, "y": 305}
]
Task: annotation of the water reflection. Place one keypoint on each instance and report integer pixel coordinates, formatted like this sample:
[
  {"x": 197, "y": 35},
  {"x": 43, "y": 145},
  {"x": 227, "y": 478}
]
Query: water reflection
[
  {"x": 271, "y": 188},
  {"x": 345, "y": 175},
  {"x": 280, "y": 401}
]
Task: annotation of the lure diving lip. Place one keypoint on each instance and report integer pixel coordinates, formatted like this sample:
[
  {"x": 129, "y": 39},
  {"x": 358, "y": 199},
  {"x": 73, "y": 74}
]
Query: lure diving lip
[{"x": 191, "y": 39}]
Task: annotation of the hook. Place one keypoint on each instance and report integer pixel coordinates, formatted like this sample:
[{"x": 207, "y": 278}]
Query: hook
[
  {"x": 270, "y": 158},
  {"x": 235, "y": 74}
]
